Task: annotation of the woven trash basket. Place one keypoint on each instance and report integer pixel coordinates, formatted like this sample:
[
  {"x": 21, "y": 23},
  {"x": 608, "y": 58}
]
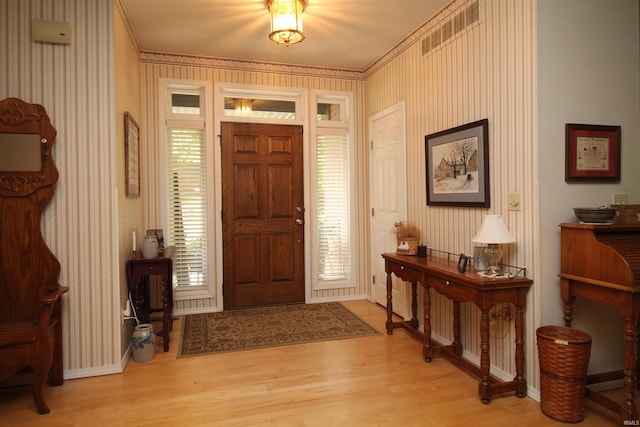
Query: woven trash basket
[{"x": 564, "y": 358}]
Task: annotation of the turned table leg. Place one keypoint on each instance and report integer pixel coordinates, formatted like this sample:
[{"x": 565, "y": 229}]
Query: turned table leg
[
  {"x": 637, "y": 351},
  {"x": 521, "y": 383},
  {"x": 166, "y": 313},
  {"x": 629, "y": 410},
  {"x": 427, "y": 350},
  {"x": 567, "y": 301},
  {"x": 414, "y": 305},
  {"x": 389, "y": 324},
  {"x": 456, "y": 345},
  {"x": 484, "y": 388}
]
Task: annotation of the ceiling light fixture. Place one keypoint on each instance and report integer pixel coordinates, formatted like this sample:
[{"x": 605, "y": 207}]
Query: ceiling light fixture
[{"x": 286, "y": 21}]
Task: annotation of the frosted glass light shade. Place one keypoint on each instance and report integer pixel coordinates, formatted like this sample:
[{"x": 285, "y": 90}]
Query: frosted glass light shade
[{"x": 286, "y": 21}]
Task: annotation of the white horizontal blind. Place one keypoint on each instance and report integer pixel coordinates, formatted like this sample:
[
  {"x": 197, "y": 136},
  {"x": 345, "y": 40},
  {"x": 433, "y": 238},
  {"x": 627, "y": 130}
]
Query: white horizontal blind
[
  {"x": 186, "y": 203},
  {"x": 332, "y": 163}
]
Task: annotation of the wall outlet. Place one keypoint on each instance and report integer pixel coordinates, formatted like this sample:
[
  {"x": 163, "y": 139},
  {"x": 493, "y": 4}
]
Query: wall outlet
[
  {"x": 127, "y": 309},
  {"x": 126, "y": 312},
  {"x": 619, "y": 198}
]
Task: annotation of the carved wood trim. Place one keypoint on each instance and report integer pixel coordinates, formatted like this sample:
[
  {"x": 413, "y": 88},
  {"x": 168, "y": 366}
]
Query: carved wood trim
[{"x": 17, "y": 116}]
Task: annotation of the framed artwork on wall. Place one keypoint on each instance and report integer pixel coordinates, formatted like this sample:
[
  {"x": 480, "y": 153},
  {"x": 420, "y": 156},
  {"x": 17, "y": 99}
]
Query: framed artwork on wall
[
  {"x": 457, "y": 166},
  {"x": 131, "y": 156},
  {"x": 592, "y": 152}
]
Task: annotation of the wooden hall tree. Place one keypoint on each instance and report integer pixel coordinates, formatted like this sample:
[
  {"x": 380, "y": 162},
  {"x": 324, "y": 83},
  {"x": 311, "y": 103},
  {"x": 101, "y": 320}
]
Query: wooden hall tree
[{"x": 30, "y": 295}]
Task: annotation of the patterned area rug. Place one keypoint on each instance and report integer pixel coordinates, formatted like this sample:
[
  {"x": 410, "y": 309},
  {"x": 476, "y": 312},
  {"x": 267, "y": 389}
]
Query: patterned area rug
[{"x": 263, "y": 327}]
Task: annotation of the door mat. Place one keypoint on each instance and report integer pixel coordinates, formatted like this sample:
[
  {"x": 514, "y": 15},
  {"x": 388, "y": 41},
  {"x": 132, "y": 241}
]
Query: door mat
[{"x": 263, "y": 327}]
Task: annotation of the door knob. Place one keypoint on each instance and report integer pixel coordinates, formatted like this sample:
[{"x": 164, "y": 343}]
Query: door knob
[
  {"x": 299, "y": 221},
  {"x": 299, "y": 209}
]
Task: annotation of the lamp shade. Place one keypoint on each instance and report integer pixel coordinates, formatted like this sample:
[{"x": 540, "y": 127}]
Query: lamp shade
[
  {"x": 493, "y": 231},
  {"x": 286, "y": 21}
]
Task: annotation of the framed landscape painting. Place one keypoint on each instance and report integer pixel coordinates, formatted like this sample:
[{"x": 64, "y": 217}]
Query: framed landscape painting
[{"x": 457, "y": 166}]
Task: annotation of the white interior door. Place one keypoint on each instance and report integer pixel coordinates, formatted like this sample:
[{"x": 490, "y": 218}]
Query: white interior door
[{"x": 388, "y": 199}]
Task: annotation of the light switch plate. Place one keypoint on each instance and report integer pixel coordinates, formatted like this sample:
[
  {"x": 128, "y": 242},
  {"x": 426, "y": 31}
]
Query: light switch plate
[{"x": 514, "y": 202}]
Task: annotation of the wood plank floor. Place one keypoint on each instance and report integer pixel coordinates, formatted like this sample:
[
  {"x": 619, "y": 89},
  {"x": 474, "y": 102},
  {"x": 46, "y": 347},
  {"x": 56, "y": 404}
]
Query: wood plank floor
[{"x": 380, "y": 380}]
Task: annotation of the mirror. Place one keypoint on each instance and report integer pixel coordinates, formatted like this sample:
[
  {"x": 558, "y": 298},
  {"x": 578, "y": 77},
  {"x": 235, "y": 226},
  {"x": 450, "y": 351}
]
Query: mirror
[{"x": 20, "y": 152}]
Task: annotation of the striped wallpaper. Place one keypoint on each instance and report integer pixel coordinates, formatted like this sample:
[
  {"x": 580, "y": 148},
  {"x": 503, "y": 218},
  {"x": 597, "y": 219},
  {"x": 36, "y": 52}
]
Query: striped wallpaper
[
  {"x": 485, "y": 71},
  {"x": 75, "y": 83}
]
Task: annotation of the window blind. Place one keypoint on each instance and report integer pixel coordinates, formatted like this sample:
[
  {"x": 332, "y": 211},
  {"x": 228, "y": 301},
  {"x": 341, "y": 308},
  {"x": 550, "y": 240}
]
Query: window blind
[
  {"x": 332, "y": 163},
  {"x": 186, "y": 204}
]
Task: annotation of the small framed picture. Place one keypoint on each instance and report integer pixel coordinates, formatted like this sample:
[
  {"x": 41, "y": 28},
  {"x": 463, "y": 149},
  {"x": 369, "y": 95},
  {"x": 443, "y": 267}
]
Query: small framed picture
[
  {"x": 462, "y": 263},
  {"x": 592, "y": 153},
  {"x": 131, "y": 156}
]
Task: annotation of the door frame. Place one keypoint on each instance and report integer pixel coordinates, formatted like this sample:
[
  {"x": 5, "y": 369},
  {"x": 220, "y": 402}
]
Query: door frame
[{"x": 300, "y": 96}]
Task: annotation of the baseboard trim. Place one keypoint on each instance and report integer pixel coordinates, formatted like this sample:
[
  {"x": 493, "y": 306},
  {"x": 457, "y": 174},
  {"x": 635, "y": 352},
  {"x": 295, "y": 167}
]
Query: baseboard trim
[{"x": 94, "y": 372}]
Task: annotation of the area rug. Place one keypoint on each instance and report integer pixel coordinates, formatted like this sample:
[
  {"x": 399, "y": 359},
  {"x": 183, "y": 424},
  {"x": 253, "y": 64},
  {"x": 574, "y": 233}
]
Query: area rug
[{"x": 263, "y": 327}]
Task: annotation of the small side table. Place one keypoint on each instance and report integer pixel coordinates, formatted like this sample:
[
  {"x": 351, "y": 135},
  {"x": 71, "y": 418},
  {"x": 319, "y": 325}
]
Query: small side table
[{"x": 138, "y": 272}]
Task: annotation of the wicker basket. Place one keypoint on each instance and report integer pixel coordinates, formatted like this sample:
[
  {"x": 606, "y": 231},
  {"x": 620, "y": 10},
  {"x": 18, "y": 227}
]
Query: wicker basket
[
  {"x": 408, "y": 237},
  {"x": 564, "y": 358},
  {"x": 407, "y": 246}
]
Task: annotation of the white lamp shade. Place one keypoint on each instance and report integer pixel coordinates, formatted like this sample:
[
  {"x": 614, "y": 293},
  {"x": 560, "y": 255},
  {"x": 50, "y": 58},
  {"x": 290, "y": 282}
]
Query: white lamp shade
[{"x": 493, "y": 231}]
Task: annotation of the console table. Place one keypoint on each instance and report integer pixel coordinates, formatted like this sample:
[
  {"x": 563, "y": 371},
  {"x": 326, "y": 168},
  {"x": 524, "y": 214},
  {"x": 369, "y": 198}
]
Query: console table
[
  {"x": 138, "y": 272},
  {"x": 442, "y": 275}
]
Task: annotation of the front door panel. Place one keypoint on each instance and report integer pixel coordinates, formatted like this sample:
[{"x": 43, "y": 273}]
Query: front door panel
[{"x": 262, "y": 214}]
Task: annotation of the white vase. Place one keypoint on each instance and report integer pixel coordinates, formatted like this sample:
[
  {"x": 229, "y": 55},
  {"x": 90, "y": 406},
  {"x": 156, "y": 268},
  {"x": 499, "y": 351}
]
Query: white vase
[
  {"x": 150, "y": 247},
  {"x": 144, "y": 343}
]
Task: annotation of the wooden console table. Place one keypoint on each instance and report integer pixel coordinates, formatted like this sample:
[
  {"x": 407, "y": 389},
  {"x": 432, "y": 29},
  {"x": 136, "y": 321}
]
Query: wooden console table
[
  {"x": 601, "y": 263},
  {"x": 138, "y": 272},
  {"x": 442, "y": 274}
]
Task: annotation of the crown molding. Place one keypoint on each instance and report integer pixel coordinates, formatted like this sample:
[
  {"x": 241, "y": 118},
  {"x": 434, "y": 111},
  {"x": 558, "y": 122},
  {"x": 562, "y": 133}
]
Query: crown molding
[
  {"x": 308, "y": 71},
  {"x": 239, "y": 65}
]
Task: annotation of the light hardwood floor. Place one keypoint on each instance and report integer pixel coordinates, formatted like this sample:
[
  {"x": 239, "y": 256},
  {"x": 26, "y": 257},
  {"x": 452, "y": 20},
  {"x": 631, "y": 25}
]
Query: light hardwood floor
[{"x": 380, "y": 380}]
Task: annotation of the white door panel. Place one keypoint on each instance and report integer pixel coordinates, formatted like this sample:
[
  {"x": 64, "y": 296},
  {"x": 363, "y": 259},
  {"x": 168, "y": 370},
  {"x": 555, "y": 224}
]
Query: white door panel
[{"x": 388, "y": 199}]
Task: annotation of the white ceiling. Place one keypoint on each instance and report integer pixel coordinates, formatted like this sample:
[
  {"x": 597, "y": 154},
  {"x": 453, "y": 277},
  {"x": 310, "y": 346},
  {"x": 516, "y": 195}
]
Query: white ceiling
[{"x": 341, "y": 34}]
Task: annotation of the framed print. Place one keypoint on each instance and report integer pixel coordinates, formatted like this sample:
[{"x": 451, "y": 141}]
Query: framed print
[
  {"x": 462, "y": 263},
  {"x": 592, "y": 153},
  {"x": 457, "y": 166},
  {"x": 131, "y": 156}
]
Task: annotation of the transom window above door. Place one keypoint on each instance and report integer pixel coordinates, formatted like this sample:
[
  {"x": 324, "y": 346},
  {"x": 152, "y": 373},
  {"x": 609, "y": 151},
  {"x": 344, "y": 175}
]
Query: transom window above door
[
  {"x": 260, "y": 104},
  {"x": 260, "y": 108}
]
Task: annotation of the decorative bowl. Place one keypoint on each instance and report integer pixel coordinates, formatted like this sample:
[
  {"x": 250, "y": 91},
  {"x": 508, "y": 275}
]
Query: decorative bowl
[{"x": 595, "y": 215}]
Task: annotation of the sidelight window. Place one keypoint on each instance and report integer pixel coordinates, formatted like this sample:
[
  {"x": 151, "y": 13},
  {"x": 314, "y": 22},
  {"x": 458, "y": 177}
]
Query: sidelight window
[
  {"x": 184, "y": 178},
  {"x": 186, "y": 203},
  {"x": 333, "y": 206}
]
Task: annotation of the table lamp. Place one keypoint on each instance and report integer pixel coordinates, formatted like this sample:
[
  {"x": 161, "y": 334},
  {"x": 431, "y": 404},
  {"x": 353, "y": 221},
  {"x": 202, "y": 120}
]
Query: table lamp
[{"x": 493, "y": 232}]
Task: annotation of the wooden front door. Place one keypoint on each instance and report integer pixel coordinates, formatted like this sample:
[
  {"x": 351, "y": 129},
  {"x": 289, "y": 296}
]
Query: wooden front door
[{"x": 262, "y": 214}]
